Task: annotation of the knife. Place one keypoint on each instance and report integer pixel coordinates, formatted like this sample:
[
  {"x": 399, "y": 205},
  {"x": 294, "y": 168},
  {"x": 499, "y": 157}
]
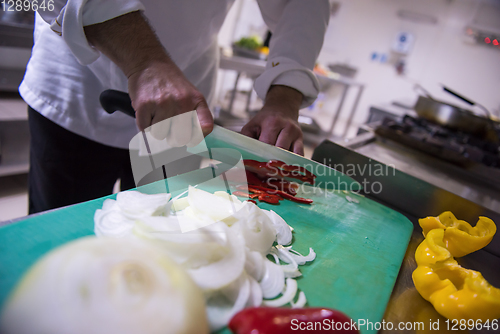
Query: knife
[{"x": 326, "y": 177}]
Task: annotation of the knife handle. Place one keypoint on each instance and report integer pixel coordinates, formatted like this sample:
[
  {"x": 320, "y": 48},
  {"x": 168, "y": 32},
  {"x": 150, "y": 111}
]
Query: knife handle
[{"x": 113, "y": 100}]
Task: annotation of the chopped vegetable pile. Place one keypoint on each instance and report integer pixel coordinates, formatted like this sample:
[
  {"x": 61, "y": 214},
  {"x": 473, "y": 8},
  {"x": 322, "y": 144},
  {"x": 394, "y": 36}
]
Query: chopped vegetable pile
[{"x": 226, "y": 257}]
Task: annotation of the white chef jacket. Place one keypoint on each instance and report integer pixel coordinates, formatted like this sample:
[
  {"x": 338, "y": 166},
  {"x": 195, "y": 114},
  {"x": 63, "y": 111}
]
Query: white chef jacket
[{"x": 66, "y": 75}]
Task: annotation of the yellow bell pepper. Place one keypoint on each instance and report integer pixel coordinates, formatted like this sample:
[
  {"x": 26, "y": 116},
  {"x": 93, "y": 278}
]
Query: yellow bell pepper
[
  {"x": 460, "y": 237},
  {"x": 455, "y": 292}
]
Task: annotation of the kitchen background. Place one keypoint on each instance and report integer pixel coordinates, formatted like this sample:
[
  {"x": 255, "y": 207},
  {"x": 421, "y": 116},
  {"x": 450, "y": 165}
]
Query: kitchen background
[
  {"x": 374, "y": 50},
  {"x": 362, "y": 36}
]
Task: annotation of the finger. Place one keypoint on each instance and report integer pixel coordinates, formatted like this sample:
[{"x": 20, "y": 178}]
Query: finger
[
  {"x": 144, "y": 115},
  {"x": 298, "y": 147},
  {"x": 286, "y": 138},
  {"x": 251, "y": 130},
  {"x": 205, "y": 117},
  {"x": 161, "y": 124},
  {"x": 180, "y": 133},
  {"x": 269, "y": 134},
  {"x": 161, "y": 129}
]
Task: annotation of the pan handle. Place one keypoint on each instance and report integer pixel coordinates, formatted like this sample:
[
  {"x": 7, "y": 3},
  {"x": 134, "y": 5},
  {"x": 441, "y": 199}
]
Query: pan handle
[
  {"x": 113, "y": 100},
  {"x": 470, "y": 102},
  {"x": 466, "y": 100}
]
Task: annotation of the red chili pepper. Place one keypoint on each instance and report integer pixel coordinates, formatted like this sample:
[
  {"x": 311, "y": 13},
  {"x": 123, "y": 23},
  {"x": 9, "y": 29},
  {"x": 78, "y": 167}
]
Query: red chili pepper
[
  {"x": 272, "y": 169},
  {"x": 241, "y": 193},
  {"x": 252, "y": 178},
  {"x": 294, "y": 198},
  {"x": 251, "y": 200},
  {"x": 290, "y": 168},
  {"x": 261, "y": 189},
  {"x": 281, "y": 193},
  {"x": 264, "y": 190},
  {"x": 268, "y": 198},
  {"x": 282, "y": 185},
  {"x": 269, "y": 320},
  {"x": 253, "y": 189},
  {"x": 244, "y": 194}
]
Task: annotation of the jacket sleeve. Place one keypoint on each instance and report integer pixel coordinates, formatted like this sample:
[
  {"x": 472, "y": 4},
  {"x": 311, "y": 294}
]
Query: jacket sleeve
[
  {"x": 67, "y": 19},
  {"x": 298, "y": 28}
]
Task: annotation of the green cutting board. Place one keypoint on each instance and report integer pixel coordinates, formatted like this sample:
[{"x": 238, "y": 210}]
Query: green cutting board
[{"x": 359, "y": 247}]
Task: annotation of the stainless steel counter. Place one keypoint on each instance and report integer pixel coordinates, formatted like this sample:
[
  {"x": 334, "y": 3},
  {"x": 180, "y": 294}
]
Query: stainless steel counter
[
  {"x": 442, "y": 174},
  {"x": 412, "y": 186}
]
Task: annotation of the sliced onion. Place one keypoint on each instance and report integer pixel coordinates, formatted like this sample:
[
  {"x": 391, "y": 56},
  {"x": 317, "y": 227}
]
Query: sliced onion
[
  {"x": 180, "y": 204},
  {"x": 215, "y": 207},
  {"x": 255, "y": 299},
  {"x": 134, "y": 204},
  {"x": 105, "y": 285},
  {"x": 287, "y": 297},
  {"x": 159, "y": 223},
  {"x": 302, "y": 259},
  {"x": 274, "y": 254},
  {"x": 193, "y": 252},
  {"x": 191, "y": 239},
  {"x": 301, "y": 301},
  {"x": 283, "y": 230},
  {"x": 287, "y": 254},
  {"x": 220, "y": 273},
  {"x": 223, "y": 305},
  {"x": 256, "y": 228},
  {"x": 254, "y": 264},
  {"x": 224, "y": 250},
  {"x": 227, "y": 196},
  {"x": 110, "y": 204},
  {"x": 293, "y": 274},
  {"x": 290, "y": 269},
  {"x": 112, "y": 223},
  {"x": 273, "y": 281}
]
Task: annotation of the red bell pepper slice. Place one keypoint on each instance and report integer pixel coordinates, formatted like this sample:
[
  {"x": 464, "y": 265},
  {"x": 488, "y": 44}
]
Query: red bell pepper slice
[
  {"x": 244, "y": 194},
  {"x": 269, "y": 320},
  {"x": 283, "y": 185},
  {"x": 296, "y": 170},
  {"x": 241, "y": 193},
  {"x": 278, "y": 169},
  {"x": 268, "y": 198},
  {"x": 280, "y": 193}
]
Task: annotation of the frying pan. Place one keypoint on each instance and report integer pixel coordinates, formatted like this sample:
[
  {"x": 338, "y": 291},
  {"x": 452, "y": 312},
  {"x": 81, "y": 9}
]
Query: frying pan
[{"x": 455, "y": 117}]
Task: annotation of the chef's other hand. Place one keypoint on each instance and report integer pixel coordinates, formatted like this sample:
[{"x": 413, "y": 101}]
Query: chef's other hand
[
  {"x": 276, "y": 123},
  {"x": 160, "y": 91},
  {"x": 157, "y": 87}
]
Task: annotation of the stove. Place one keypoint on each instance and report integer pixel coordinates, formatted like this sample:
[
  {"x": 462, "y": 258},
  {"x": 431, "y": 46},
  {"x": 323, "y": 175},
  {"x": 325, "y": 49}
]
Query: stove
[{"x": 479, "y": 156}]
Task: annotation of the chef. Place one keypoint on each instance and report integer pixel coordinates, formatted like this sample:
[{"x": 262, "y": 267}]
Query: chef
[{"x": 165, "y": 54}]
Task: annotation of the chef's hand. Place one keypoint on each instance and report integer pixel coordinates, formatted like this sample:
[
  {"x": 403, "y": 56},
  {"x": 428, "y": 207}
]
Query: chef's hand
[
  {"x": 160, "y": 90},
  {"x": 276, "y": 123},
  {"x": 157, "y": 87}
]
